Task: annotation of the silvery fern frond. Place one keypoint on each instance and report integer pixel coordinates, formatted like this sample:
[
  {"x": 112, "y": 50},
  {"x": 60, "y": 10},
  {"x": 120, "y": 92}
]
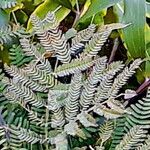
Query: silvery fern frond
[
  {"x": 52, "y": 38},
  {"x": 76, "y": 65},
  {"x": 21, "y": 91},
  {"x": 146, "y": 145},
  {"x": 132, "y": 139},
  {"x": 106, "y": 80},
  {"x": 99, "y": 38},
  {"x": 43, "y": 36},
  {"x": 8, "y": 3},
  {"x": 6, "y": 34},
  {"x": 57, "y": 119},
  {"x": 87, "y": 94},
  {"x": 19, "y": 76},
  {"x": 106, "y": 130},
  {"x": 72, "y": 102},
  {"x": 122, "y": 78},
  {"x": 81, "y": 37}
]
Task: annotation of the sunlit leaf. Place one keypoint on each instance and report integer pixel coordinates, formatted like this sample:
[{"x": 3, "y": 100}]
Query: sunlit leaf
[
  {"x": 98, "y": 5},
  {"x": 65, "y": 3},
  {"x": 50, "y": 5},
  {"x": 134, "y": 35}
]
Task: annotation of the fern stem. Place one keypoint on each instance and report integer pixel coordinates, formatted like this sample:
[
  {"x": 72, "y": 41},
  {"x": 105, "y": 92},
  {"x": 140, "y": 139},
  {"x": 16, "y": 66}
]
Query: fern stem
[
  {"x": 57, "y": 9},
  {"x": 14, "y": 16},
  {"x": 56, "y": 64},
  {"x": 46, "y": 127},
  {"x": 92, "y": 19},
  {"x": 115, "y": 47},
  {"x": 77, "y": 14}
]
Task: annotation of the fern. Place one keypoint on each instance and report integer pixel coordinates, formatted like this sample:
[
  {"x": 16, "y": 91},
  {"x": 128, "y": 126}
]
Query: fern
[
  {"x": 18, "y": 57},
  {"x": 139, "y": 113},
  {"x": 8, "y": 3},
  {"x": 132, "y": 139},
  {"x": 118, "y": 132},
  {"x": 106, "y": 130},
  {"x": 146, "y": 145},
  {"x": 81, "y": 37},
  {"x": 52, "y": 104},
  {"x": 6, "y": 34},
  {"x": 99, "y": 38},
  {"x": 72, "y": 104},
  {"x": 57, "y": 117},
  {"x": 89, "y": 87},
  {"x": 52, "y": 39},
  {"x": 76, "y": 65}
]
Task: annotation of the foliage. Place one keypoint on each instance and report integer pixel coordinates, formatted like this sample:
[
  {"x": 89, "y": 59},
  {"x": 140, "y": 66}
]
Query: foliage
[
  {"x": 64, "y": 86},
  {"x": 37, "y": 108}
]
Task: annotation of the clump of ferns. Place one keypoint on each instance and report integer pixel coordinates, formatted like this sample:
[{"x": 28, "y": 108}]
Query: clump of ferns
[{"x": 52, "y": 113}]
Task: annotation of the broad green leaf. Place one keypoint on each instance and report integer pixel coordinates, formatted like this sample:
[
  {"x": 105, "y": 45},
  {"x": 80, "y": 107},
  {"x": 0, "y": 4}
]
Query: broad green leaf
[
  {"x": 148, "y": 9},
  {"x": 65, "y": 3},
  {"x": 134, "y": 35},
  {"x": 147, "y": 38},
  {"x": 98, "y": 5},
  {"x": 50, "y": 5}
]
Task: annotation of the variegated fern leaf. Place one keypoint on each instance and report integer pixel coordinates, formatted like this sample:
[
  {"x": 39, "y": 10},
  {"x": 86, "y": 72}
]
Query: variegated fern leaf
[
  {"x": 8, "y": 3},
  {"x": 38, "y": 108},
  {"x": 132, "y": 139}
]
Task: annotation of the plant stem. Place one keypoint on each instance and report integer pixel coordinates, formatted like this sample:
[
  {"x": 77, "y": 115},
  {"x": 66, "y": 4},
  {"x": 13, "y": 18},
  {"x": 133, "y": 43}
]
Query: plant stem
[
  {"x": 115, "y": 47},
  {"x": 46, "y": 127},
  {"x": 77, "y": 14},
  {"x": 14, "y": 16}
]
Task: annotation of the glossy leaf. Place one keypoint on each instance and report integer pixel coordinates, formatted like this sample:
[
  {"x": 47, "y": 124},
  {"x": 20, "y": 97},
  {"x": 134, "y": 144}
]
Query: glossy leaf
[
  {"x": 148, "y": 9},
  {"x": 98, "y": 5},
  {"x": 134, "y": 35},
  {"x": 65, "y": 3},
  {"x": 50, "y": 5}
]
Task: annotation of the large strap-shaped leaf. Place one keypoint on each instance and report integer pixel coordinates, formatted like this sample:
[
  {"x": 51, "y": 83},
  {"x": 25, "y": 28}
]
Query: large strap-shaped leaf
[
  {"x": 134, "y": 35},
  {"x": 98, "y": 5}
]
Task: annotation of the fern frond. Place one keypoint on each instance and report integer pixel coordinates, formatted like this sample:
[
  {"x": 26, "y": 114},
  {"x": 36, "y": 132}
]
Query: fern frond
[
  {"x": 20, "y": 91},
  {"x": 36, "y": 74},
  {"x": 52, "y": 39},
  {"x": 99, "y": 38},
  {"x": 81, "y": 37},
  {"x": 122, "y": 78},
  {"x": 132, "y": 139},
  {"x": 106, "y": 130},
  {"x": 118, "y": 132},
  {"x": 76, "y": 65},
  {"x": 146, "y": 145},
  {"x": 43, "y": 36},
  {"x": 8, "y": 139},
  {"x": 50, "y": 22},
  {"x": 7, "y": 3},
  {"x": 17, "y": 56},
  {"x": 139, "y": 113},
  {"x": 109, "y": 113},
  {"x": 87, "y": 94},
  {"x": 31, "y": 50},
  {"x": 30, "y": 137},
  {"x": 6, "y": 34},
  {"x": 72, "y": 104},
  {"x": 106, "y": 79},
  {"x": 57, "y": 119},
  {"x": 19, "y": 76}
]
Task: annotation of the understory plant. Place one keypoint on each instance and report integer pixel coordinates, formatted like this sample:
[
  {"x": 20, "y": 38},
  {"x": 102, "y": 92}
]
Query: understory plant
[{"x": 59, "y": 93}]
